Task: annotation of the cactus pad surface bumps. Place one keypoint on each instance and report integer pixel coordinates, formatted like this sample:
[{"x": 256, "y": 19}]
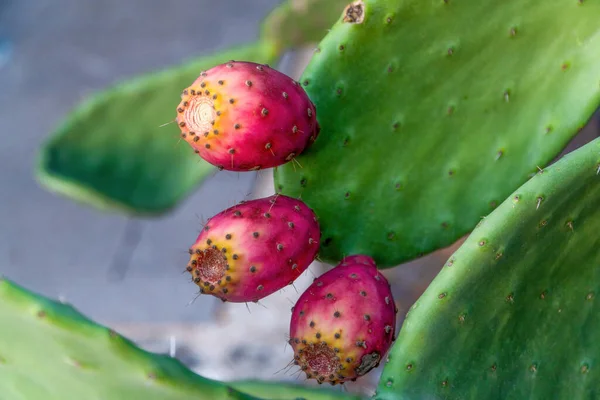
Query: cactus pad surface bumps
[
  {"x": 513, "y": 314},
  {"x": 244, "y": 116},
  {"x": 430, "y": 119}
]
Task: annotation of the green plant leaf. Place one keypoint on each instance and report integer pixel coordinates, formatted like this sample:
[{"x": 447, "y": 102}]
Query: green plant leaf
[
  {"x": 432, "y": 112},
  {"x": 514, "y": 312},
  {"x": 49, "y": 351}
]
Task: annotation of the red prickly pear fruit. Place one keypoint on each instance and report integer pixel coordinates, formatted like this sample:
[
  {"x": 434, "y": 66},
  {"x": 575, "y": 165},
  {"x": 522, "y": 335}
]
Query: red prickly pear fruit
[
  {"x": 243, "y": 116},
  {"x": 255, "y": 248},
  {"x": 344, "y": 323}
]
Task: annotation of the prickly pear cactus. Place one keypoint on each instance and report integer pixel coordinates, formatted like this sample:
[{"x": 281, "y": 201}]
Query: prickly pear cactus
[
  {"x": 113, "y": 152},
  {"x": 514, "y": 312},
  {"x": 50, "y": 351},
  {"x": 429, "y": 120}
]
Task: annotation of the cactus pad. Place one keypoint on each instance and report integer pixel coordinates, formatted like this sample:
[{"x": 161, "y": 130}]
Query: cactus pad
[
  {"x": 50, "y": 351},
  {"x": 513, "y": 314},
  {"x": 296, "y": 23},
  {"x": 432, "y": 112},
  {"x": 290, "y": 391},
  {"x": 112, "y": 151}
]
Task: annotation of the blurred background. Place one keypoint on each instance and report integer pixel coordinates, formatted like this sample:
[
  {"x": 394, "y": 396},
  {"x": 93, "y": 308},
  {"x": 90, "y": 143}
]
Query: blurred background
[
  {"x": 55, "y": 54},
  {"x": 128, "y": 272}
]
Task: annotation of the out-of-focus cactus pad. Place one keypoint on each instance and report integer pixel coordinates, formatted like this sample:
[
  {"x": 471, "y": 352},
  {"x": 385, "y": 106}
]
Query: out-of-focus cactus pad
[
  {"x": 50, "y": 351},
  {"x": 514, "y": 312},
  {"x": 113, "y": 152},
  {"x": 432, "y": 112},
  {"x": 297, "y": 23},
  {"x": 290, "y": 391}
]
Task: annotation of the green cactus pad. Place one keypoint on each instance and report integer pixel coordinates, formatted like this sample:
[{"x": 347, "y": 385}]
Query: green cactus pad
[
  {"x": 432, "y": 112},
  {"x": 514, "y": 313},
  {"x": 289, "y": 391},
  {"x": 296, "y": 23},
  {"x": 50, "y": 351},
  {"x": 112, "y": 152}
]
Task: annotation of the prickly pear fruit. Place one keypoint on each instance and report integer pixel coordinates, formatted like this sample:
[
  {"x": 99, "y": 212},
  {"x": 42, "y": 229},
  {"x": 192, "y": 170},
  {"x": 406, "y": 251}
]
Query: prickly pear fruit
[
  {"x": 243, "y": 116},
  {"x": 255, "y": 248},
  {"x": 344, "y": 323}
]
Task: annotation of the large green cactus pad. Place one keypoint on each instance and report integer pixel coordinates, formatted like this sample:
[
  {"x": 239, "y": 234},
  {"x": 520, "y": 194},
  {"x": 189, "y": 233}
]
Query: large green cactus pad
[
  {"x": 514, "y": 313},
  {"x": 50, "y": 351},
  {"x": 432, "y": 112},
  {"x": 112, "y": 151}
]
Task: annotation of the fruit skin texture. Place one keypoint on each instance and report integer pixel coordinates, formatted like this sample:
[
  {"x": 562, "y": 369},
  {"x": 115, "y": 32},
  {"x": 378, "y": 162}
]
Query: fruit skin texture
[
  {"x": 243, "y": 116},
  {"x": 255, "y": 248},
  {"x": 344, "y": 323}
]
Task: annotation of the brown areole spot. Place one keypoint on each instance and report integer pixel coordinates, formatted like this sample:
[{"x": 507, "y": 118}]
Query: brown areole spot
[{"x": 354, "y": 13}]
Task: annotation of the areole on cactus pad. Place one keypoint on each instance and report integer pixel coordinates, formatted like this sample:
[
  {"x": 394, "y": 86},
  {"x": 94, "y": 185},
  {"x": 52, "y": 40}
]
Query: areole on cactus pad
[
  {"x": 513, "y": 314},
  {"x": 429, "y": 119},
  {"x": 255, "y": 248},
  {"x": 243, "y": 116},
  {"x": 344, "y": 323}
]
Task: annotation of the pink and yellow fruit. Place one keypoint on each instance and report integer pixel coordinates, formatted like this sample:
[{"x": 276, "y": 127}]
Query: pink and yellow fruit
[
  {"x": 255, "y": 248},
  {"x": 344, "y": 323},
  {"x": 242, "y": 116}
]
